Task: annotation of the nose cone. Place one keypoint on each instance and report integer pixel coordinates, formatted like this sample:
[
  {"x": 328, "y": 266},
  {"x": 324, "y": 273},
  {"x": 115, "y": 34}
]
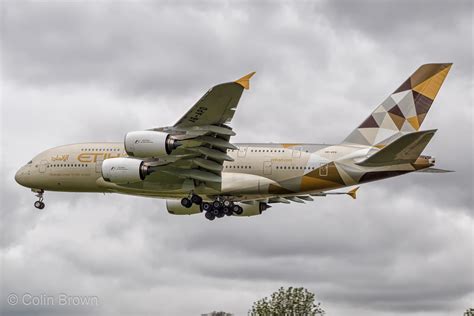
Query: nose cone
[{"x": 20, "y": 177}]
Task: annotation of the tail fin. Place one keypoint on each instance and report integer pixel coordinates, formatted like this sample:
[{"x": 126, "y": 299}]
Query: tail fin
[
  {"x": 404, "y": 110},
  {"x": 405, "y": 149}
]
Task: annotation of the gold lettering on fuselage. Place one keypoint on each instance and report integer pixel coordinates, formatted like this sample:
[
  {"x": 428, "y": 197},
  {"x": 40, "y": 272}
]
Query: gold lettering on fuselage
[
  {"x": 60, "y": 158},
  {"x": 94, "y": 157}
]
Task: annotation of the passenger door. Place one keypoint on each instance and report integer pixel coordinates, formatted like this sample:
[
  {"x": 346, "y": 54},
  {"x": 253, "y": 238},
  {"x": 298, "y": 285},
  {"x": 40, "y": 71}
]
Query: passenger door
[
  {"x": 242, "y": 152},
  {"x": 267, "y": 167},
  {"x": 323, "y": 169},
  {"x": 98, "y": 163},
  {"x": 42, "y": 166}
]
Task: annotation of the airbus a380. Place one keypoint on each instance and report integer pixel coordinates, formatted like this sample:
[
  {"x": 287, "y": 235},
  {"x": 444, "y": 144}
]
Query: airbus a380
[{"x": 194, "y": 165}]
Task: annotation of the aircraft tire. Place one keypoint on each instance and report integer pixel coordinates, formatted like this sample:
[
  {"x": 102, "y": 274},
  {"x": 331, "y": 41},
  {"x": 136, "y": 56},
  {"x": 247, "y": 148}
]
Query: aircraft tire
[
  {"x": 206, "y": 206},
  {"x": 196, "y": 199},
  {"x": 227, "y": 211},
  {"x": 216, "y": 204},
  {"x": 215, "y": 211},
  {"x": 237, "y": 209},
  {"x": 210, "y": 216},
  {"x": 220, "y": 213},
  {"x": 186, "y": 202}
]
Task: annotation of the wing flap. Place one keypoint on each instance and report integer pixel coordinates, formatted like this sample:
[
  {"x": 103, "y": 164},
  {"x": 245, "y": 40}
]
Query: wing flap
[
  {"x": 212, "y": 153},
  {"x": 208, "y": 164}
]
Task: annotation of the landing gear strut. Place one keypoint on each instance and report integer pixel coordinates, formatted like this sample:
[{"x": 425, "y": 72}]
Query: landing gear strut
[{"x": 39, "y": 204}]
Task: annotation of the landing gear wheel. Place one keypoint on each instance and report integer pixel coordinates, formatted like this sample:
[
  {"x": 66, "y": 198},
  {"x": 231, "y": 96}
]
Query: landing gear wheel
[
  {"x": 220, "y": 213},
  {"x": 216, "y": 204},
  {"x": 196, "y": 199},
  {"x": 210, "y": 216},
  {"x": 237, "y": 209},
  {"x": 186, "y": 202},
  {"x": 215, "y": 211},
  {"x": 227, "y": 203},
  {"x": 39, "y": 205},
  {"x": 227, "y": 211},
  {"x": 206, "y": 206}
]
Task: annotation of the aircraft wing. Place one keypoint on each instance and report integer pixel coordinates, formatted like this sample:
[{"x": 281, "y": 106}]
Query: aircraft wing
[
  {"x": 217, "y": 106},
  {"x": 204, "y": 135}
]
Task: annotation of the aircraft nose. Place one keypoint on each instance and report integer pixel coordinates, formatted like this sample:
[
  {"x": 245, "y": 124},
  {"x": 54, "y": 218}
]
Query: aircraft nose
[{"x": 20, "y": 176}]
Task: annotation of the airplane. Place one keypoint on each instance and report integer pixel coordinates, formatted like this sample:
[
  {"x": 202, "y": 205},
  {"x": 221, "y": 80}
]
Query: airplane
[{"x": 197, "y": 169}]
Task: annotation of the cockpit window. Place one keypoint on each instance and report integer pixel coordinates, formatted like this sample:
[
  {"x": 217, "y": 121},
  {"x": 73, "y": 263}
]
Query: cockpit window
[{"x": 30, "y": 162}]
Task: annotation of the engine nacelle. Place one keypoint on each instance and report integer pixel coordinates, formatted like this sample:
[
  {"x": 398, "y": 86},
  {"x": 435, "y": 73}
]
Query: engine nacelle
[
  {"x": 253, "y": 209},
  {"x": 148, "y": 144},
  {"x": 124, "y": 170},
  {"x": 175, "y": 207}
]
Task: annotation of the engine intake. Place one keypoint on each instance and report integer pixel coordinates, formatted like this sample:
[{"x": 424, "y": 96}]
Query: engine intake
[
  {"x": 124, "y": 170},
  {"x": 145, "y": 144}
]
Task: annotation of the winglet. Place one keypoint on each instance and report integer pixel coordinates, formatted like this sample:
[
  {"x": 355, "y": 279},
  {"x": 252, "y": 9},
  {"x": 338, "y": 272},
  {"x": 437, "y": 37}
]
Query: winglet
[
  {"x": 352, "y": 193},
  {"x": 245, "y": 80}
]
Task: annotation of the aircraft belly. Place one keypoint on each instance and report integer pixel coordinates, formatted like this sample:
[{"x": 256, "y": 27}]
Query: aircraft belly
[{"x": 243, "y": 183}]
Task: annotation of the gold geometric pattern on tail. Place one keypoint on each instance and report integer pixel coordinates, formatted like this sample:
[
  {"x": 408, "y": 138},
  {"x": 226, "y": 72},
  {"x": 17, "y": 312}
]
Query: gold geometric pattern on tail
[{"x": 404, "y": 110}]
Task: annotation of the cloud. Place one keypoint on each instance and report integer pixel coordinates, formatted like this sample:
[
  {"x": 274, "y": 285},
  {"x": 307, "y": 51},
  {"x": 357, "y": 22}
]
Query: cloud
[{"x": 83, "y": 71}]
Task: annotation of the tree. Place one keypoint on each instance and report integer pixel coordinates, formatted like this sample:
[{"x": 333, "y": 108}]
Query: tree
[
  {"x": 289, "y": 302},
  {"x": 469, "y": 312}
]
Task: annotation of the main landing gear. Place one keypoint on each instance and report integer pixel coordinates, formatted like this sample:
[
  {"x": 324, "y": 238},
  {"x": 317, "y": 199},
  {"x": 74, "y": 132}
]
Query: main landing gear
[
  {"x": 39, "y": 204},
  {"x": 219, "y": 208}
]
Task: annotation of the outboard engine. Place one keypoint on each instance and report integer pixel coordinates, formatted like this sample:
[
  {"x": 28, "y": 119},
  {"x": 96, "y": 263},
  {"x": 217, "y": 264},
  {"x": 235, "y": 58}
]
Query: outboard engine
[{"x": 146, "y": 144}]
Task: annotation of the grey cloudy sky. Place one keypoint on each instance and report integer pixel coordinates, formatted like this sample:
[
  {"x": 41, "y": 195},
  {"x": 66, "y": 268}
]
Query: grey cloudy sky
[{"x": 78, "y": 71}]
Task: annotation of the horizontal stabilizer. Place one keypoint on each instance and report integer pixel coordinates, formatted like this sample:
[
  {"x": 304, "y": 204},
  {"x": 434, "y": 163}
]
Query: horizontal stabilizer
[
  {"x": 352, "y": 193},
  {"x": 405, "y": 149},
  {"x": 434, "y": 170}
]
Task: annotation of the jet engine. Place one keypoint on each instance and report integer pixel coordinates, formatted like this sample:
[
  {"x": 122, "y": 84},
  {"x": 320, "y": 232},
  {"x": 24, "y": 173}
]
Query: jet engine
[
  {"x": 148, "y": 144},
  {"x": 124, "y": 170},
  {"x": 175, "y": 207},
  {"x": 253, "y": 209}
]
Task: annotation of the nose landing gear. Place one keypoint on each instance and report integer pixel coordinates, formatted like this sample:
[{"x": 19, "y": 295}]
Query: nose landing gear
[{"x": 39, "y": 204}]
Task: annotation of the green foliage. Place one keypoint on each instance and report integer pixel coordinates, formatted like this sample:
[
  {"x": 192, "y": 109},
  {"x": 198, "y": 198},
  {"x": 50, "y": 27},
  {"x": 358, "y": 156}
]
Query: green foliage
[
  {"x": 469, "y": 312},
  {"x": 214, "y": 313},
  {"x": 289, "y": 302}
]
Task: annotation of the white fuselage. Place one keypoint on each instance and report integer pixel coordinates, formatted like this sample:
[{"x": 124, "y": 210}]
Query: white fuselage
[
  {"x": 77, "y": 168},
  {"x": 258, "y": 170}
]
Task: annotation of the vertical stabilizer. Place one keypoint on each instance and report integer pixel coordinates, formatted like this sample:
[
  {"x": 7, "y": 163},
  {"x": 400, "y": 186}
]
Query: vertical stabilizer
[{"x": 404, "y": 110}]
